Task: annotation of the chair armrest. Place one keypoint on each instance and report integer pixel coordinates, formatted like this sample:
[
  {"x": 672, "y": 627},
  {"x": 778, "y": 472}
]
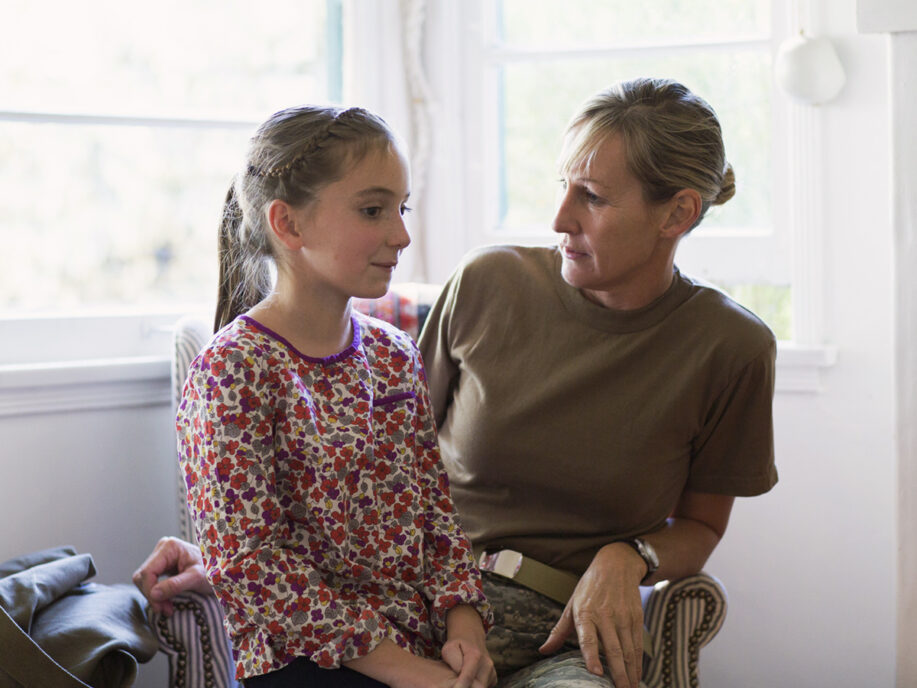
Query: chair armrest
[
  {"x": 196, "y": 643},
  {"x": 682, "y": 616}
]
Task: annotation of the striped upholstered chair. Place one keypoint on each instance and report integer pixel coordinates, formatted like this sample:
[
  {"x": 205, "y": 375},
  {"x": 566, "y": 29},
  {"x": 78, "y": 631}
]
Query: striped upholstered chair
[{"x": 681, "y": 617}]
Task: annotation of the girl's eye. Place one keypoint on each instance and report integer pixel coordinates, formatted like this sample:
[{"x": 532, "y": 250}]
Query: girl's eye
[
  {"x": 405, "y": 209},
  {"x": 372, "y": 212}
]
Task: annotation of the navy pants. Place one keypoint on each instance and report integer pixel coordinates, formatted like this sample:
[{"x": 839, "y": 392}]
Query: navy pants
[{"x": 302, "y": 672}]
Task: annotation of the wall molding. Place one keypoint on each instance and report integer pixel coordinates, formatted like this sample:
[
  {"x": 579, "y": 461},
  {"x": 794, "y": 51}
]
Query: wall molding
[
  {"x": 69, "y": 386},
  {"x": 113, "y": 383}
]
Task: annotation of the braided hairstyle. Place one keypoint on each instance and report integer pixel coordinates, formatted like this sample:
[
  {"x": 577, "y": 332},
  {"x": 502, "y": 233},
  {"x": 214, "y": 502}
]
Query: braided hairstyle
[
  {"x": 672, "y": 140},
  {"x": 292, "y": 157}
]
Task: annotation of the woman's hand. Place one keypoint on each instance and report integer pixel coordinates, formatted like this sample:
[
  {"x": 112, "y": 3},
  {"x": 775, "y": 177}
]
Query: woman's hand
[
  {"x": 465, "y": 651},
  {"x": 606, "y": 612},
  {"x": 179, "y": 560}
]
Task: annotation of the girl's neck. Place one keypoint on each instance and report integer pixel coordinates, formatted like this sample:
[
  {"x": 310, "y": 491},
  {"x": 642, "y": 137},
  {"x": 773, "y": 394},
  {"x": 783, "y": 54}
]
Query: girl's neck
[{"x": 317, "y": 327}]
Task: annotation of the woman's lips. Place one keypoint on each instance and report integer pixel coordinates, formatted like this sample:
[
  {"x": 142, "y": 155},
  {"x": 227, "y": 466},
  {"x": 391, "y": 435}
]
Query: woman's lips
[{"x": 570, "y": 254}]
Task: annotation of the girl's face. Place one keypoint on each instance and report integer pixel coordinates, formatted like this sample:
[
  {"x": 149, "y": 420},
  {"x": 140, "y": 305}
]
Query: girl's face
[
  {"x": 611, "y": 243},
  {"x": 354, "y": 231}
]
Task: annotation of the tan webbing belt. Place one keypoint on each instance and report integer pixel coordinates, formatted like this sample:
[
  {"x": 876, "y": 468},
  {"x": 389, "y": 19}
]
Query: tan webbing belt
[{"x": 554, "y": 583}]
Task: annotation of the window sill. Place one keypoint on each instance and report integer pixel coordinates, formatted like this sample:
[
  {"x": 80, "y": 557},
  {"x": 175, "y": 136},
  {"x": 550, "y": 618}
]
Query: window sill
[
  {"x": 33, "y": 388},
  {"x": 799, "y": 369}
]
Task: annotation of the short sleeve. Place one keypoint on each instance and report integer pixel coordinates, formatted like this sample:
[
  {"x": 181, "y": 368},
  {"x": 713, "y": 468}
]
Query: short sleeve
[{"x": 734, "y": 453}]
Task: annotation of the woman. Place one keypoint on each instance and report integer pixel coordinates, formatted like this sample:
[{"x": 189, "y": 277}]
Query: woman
[{"x": 599, "y": 411}]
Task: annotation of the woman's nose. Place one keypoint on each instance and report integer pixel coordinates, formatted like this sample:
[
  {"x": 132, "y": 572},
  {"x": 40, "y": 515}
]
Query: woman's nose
[{"x": 563, "y": 217}]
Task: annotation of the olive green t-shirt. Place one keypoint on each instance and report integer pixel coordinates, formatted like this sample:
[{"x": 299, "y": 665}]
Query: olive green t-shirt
[{"x": 565, "y": 426}]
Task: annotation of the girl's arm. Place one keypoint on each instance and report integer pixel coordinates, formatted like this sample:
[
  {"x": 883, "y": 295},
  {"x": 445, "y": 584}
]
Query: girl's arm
[{"x": 398, "y": 668}]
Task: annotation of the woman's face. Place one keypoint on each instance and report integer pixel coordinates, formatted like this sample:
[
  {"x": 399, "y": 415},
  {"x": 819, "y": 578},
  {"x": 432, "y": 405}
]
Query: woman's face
[{"x": 612, "y": 245}]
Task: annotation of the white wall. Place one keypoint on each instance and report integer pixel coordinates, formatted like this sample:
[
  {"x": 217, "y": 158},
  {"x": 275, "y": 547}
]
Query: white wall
[
  {"x": 101, "y": 481},
  {"x": 811, "y": 567}
]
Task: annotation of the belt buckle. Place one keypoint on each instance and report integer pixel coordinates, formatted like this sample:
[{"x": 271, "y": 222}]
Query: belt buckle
[{"x": 506, "y": 562}]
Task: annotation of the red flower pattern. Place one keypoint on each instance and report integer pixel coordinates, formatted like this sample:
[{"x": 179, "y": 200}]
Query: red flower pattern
[{"x": 319, "y": 497}]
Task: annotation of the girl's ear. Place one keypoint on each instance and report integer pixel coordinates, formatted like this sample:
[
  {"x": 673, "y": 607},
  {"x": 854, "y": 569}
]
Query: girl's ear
[
  {"x": 282, "y": 219},
  {"x": 684, "y": 209}
]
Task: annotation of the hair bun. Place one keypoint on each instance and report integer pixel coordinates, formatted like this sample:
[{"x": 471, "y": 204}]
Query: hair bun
[{"x": 728, "y": 187}]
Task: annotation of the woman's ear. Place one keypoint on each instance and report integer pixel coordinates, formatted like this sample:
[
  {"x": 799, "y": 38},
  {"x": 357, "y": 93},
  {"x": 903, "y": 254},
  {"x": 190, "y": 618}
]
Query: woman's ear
[
  {"x": 684, "y": 209},
  {"x": 284, "y": 222}
]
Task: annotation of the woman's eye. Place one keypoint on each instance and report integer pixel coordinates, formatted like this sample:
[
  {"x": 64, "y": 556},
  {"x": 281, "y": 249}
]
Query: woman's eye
[{"x": 591, "y": 197}]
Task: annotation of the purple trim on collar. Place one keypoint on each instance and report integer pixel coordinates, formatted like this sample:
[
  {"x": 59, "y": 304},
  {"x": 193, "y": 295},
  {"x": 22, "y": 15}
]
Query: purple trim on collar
[
  {"x": 324, "y": 360},
  {"x": 392, "y": 399}
]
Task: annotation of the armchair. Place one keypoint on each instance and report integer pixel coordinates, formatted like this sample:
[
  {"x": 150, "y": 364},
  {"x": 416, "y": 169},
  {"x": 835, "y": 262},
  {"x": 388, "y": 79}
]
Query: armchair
[{"x": 681, "y": 616}]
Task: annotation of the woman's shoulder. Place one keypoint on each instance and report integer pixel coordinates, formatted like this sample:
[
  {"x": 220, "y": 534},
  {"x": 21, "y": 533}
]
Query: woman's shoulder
[
  {"x": 720, "y": 315},
  {"x": 508, "y": 260}
]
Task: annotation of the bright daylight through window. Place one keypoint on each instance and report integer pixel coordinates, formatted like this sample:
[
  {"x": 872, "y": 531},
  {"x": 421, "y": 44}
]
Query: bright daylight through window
[{"x": 121, "y": 125}]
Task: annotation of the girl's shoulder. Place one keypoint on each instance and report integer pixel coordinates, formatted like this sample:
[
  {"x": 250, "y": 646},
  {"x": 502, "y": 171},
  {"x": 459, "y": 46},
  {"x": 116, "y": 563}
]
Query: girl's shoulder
[{"x": 240, "y": 344}]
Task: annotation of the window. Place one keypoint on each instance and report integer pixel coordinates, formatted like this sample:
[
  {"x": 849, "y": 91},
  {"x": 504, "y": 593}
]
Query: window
[
  {"x": 121, "y": 127},
  {"x": 540, "y": 59}
]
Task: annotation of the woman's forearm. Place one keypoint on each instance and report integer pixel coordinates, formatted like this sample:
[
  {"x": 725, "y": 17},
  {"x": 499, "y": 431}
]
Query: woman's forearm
[{"x": 692, "y": 533}]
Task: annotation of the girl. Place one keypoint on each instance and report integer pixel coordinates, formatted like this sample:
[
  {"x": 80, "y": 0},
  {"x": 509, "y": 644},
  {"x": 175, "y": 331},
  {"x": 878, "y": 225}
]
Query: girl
[{"x": 314, "y": 477}]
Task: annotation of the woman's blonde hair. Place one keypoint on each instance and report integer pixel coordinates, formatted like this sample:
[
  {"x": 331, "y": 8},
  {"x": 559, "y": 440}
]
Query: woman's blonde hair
[
  {"x": 292, "y": 156},
  {"x": 672, "y": 139}
]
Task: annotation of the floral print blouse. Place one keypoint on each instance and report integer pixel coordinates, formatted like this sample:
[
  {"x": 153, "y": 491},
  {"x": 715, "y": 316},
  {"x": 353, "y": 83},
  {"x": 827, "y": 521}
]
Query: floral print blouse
[{"x": 319, "y": 498}]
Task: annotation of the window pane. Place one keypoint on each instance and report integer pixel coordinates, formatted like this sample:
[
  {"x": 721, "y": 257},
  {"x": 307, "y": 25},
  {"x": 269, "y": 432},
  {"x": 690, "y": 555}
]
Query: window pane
[
  {"x": 94, "y": 215},
  {"x": 578, "y": 23},
  {"x": 772, "y": 303},
  {"x": 208, "y": 58},
  {"x": 539, "y": 97}
]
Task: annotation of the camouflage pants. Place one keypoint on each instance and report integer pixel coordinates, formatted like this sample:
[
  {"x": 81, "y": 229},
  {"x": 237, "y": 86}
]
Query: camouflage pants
[{"x": 522, "y": 621}]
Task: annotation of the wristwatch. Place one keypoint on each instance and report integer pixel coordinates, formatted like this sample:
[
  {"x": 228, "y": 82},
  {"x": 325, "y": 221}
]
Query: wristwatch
[{"x": 648, "y": 553}]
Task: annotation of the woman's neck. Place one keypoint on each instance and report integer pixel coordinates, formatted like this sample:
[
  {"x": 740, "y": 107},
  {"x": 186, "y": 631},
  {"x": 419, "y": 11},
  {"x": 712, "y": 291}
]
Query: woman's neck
[{"x": 317, "y": 326}]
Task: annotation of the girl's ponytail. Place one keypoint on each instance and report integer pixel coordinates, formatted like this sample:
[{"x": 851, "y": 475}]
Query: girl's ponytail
[{"x": 245, "y": 277}]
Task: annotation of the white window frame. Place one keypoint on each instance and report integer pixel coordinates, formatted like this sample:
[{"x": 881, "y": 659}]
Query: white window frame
[{"x": 103, "y": 358}]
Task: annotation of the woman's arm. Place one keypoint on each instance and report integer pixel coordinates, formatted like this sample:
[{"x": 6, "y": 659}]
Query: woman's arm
[{"x": 606, "y": 610}]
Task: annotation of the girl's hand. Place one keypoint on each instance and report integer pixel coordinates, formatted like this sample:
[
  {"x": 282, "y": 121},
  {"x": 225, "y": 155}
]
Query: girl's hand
[
  {"x": 607, "y": 614},
  {"x": 465, "y": 651}
]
